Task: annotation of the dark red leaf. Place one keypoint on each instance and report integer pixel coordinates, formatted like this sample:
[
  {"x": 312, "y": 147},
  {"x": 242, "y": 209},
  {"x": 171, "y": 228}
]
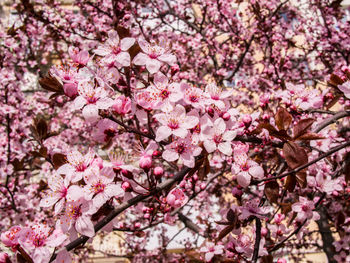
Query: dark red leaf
[
  {"x": 335, "y": 80},
  {"x": 282, "y": 134},
  {"x": 50, "y": 83},
  {"x": 283, "y": 119},
  {"x": 290, "y": 183},
  {"x": 310, "y": 136},
  {"x": 225, "y": 232},
  {"x": 294, "y": 155},
  {"x": 58, "y": 159},
  {"x": 301, "y": 179},
  {"x": 302, "y": 127}
]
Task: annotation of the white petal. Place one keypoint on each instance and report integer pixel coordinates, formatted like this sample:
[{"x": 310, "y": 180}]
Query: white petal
[{"x": 225, "y": 148}]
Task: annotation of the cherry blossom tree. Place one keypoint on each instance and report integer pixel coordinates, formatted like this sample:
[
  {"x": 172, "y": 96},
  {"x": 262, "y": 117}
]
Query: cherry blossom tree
[{"x": 229, "y": 118}]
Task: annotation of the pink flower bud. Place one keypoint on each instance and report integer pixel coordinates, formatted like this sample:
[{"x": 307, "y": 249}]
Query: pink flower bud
[
  {"x": 264, "y": 231},
  {"x": 156, "y": 153},
  {"x": 145, "y": 162},
  {"x": 137, "y": 225},
  {"x": 281, "y": 260},
  {"x": 247, "y": 120},
  {"x": 127, "y": 174},
  {"x": 203, "y": 186},
  {"x": 158, "y": 171},
  {"x": 226, "y": 116},
  {"x": 126, "y": 186},
  {"x": 147, "y": 216},
  {"x": 211, "y": 112}
]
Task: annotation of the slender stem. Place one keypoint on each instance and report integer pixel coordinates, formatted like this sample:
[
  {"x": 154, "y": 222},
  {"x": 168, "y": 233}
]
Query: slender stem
[{"x": 257, "y": 240}]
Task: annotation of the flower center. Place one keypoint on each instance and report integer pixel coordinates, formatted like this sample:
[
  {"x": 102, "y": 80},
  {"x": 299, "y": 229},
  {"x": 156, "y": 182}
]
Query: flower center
[
  {"x": 245, "y": 167},
  {"x": 180, "y": 148},
  {"x": 304, "y": 208},
  {"x": 91, "y": 99},
  {"x": 99, "y": 188},
  {"x": 164, "y": 94},
  {"x": 194, "y": 98},
  {"x": 116, "y": 50},
  {"x": 173, "y": 124},
  {"x": 217, "y": 138},
  {"x": 38, "y": 240},
  {"x": 153, "y": 55},
  {"x": 80, "y": 167},
  {"x": 197, "y": 128},
  {"x": 74, "y": 212},
  {"x": 63, "y": 192}
]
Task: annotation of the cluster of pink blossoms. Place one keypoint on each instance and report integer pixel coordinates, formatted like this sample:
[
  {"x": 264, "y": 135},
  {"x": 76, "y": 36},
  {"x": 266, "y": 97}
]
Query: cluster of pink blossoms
[{"x": 176, "y": 125}]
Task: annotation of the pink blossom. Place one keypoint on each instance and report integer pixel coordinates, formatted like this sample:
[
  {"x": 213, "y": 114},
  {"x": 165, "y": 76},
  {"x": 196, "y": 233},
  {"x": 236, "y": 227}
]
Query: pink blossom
[
  {"x": 153, "y": 56},
  {"x": 161, "y": 92},
  {"x": 252, "y": 208},
  {"x": 69, "y": 76},
  {"x": 100, "y": 187},
  {"x": 78, "y": 214},
  {"x": 10, "y": 237},
  {"x": 217, "y": 137},
  {"x": 245, "y": 169},
  {"x": 80, "y": 57},
  {"x": 304, "y": 208},
  {"x": 342, "y": 244},
  {"x": 210, "y": 250},
  {"x": 324, "y": 183},
  {"x": 176, "y": 198},
  {"x": 216, "y": 95},
  {"x": 244, "y": 244},
  {"x": 93, "y": 99},
  {"x": 106, "y": 130},
  {"x": 38, "y": 238},
  {"x": 114, "y": 50},
  {"x": 175, "y": 122},
  {"x": 308, "y": 99},
  {"x": 77, "y": 165},
  {"x": 182, "y": 149},
  {"x": 345, "y": 88},
  {"x": 193, "y": 96},
  {"x": 57, "y": 193},
  {"x": 278, "y": 231}
]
